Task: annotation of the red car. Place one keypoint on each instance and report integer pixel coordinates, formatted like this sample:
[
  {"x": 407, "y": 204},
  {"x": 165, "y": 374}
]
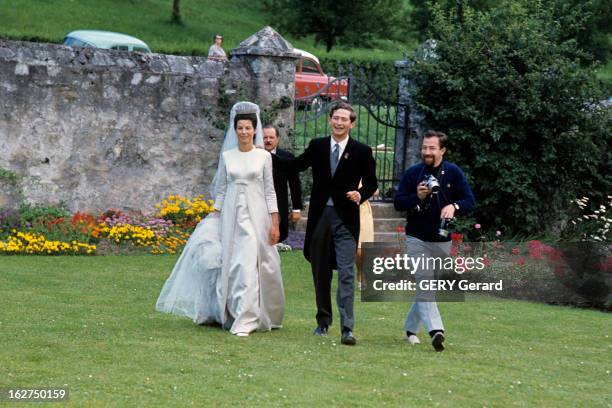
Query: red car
[{"x": 310, "y": 80}]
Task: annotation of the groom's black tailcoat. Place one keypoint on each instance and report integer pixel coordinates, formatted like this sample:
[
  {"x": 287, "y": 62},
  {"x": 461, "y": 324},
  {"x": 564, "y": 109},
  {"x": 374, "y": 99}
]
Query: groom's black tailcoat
[
  {"x": 282, "y": 178},
  {"x": 355, "y": 164}
]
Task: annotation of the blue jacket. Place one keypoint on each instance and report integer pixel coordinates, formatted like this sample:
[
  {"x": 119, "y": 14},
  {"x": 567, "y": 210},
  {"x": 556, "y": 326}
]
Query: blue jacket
[{"x": 423, "y": 218}]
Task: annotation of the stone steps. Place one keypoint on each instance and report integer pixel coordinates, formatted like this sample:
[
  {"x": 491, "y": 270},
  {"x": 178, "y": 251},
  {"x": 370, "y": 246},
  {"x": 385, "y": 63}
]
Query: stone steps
[
  {"x": 389, "y": 237},
  {"x": 380, "y": 224},
  {"x": 386, "y": 222},
  {"x": 379, "y": 210}
]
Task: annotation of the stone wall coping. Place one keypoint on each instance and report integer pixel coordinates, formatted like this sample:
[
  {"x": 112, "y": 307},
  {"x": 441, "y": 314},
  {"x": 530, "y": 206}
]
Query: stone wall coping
[
  {"x": 266, "y": 42},
  {"x": 48, "y": 54}
]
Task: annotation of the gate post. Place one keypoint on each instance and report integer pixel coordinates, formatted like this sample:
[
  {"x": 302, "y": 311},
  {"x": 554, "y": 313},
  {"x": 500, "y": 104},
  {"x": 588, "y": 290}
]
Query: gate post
[
  {"x": 410, "y": 123},
  {"x": 270, "y": 60}
]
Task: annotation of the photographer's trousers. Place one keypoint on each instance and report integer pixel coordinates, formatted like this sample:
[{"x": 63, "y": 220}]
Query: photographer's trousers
[{"x": 425, "y": 309}]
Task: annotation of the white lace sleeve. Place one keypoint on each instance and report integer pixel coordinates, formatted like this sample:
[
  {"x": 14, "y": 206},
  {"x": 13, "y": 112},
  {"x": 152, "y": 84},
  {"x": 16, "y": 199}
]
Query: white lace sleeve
[
  {"x": 222, "y": 188},
  {"x": 269, "y": 185}
]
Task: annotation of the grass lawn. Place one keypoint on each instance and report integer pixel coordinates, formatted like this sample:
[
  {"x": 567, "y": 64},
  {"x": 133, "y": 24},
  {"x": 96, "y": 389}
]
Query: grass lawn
[{"x": 89, "y": 323}]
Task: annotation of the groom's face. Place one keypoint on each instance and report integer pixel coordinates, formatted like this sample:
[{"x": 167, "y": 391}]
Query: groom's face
[{"x": 340, "y": 123}]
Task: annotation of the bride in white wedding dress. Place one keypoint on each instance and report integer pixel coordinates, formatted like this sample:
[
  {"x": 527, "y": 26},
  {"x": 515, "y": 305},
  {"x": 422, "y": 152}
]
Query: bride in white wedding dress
[{"x": 229, "y": 272}]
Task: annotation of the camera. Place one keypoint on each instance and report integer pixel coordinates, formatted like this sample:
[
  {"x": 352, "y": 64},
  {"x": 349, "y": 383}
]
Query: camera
[
  {"x": 445, "y": 226},
  {"x": 432, "y": 183}
]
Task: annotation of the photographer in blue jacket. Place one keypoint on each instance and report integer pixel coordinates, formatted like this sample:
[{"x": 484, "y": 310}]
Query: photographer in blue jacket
[{"x": 432, "y": 193}]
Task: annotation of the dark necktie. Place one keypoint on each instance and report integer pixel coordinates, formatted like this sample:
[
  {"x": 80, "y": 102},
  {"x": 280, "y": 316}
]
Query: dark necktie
[{"x": 334, "y": 158}]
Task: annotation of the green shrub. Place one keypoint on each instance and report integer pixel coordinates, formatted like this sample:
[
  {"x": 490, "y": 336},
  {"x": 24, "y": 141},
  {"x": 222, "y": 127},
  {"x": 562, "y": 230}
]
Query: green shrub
[
  {"x": 8, "y": 176},
  {"x": 29, "y": 213},
  {"x": 523, "y": 116}
]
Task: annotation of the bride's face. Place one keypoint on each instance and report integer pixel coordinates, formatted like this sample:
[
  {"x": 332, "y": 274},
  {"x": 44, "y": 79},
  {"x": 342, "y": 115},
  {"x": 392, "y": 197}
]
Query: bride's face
[{"x": 245, "y": 132}]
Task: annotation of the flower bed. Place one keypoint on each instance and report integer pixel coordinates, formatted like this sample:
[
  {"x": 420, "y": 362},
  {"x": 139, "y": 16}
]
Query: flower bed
[{"x": 52, "y": 230}]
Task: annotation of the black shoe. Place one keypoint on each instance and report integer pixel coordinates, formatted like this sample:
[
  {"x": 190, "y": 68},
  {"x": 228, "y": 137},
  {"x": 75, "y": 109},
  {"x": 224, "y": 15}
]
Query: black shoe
[
  {"x": 347, "y": 338},
  {"x": 437, "y": 340},
  {"x": 320, "y": 331}
]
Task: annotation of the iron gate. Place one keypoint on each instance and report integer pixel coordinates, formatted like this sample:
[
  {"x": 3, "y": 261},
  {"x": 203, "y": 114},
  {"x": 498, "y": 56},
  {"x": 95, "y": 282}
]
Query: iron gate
[{"x": 380, "y": 124}]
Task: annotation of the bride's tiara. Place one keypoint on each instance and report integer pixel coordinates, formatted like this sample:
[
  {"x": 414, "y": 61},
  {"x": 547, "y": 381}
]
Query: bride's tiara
[{"x": 245, "y": 107}]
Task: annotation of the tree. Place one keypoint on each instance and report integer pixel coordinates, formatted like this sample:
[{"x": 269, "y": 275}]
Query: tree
[
  {"x": 523, "y": 115},
  {"x": 352, "y": 23},
  {"x": 421, "y": 14},
  {"x": 587, "y": 22},
  {"x": 176, "y": 13}
]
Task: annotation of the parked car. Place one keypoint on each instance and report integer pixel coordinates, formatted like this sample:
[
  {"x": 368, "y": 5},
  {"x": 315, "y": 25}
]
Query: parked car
[
  {"x": 311, "y": 83},
  {"x": 105, "y": 39}
]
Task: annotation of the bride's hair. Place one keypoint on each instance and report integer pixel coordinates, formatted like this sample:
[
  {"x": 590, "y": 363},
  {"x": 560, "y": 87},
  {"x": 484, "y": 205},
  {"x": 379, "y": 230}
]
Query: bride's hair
[
  {"x": 240, "y": 111},
  {"x": 245, "y": 116}
]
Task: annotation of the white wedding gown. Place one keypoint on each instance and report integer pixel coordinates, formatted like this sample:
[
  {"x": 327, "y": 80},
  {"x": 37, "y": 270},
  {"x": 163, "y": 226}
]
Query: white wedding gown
[{"x": 228, "y": 273}]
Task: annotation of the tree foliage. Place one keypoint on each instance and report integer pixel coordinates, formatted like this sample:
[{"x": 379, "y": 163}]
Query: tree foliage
[
  {"x": 588, "y": 22},
  {"x": 422, "y": 12},
  {"x": 523, "y": 115},
  {"x": 332, "y": 22}
]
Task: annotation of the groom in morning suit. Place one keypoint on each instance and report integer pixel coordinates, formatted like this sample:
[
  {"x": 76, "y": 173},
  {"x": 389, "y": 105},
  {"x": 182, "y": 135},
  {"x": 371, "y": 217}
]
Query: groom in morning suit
[{"x": 338, "y": 164}]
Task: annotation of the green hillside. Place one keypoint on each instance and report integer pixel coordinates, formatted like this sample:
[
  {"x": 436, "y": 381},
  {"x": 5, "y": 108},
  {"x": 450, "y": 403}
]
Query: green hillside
[
  {"x": 50, "y": 20},
  {"x": 149, "y": 20}
]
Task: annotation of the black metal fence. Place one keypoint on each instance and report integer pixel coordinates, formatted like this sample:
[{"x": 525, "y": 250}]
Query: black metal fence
[{"x": 379, "y": 125}]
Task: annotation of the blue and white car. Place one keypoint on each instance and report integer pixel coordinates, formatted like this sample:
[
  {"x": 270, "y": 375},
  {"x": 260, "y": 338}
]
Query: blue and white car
[{"x": 105, "y": 39}]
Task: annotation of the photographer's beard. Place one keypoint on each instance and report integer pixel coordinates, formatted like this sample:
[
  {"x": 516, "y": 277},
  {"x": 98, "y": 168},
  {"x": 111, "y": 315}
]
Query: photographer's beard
[{"x": 429, "y": 160}]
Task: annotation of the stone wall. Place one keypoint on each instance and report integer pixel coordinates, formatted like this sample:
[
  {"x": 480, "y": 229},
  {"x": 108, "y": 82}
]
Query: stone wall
[{"x": 101, "y": 129}]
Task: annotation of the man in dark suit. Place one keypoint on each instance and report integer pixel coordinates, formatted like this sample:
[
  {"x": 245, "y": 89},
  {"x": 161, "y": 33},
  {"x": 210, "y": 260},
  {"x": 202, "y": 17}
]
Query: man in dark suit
[
  {"x": 338, "y": 163},
  {"x": 283, "y": 178}
]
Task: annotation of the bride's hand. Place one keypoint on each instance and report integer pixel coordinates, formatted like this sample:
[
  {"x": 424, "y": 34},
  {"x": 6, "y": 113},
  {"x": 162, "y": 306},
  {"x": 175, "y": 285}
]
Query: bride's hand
[
  {"x": 274, "y": 231},
  {"x": 274, "y": 235}
]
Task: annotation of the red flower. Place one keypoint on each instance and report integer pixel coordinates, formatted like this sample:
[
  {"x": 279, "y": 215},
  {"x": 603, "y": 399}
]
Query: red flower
[
  {"x": 534, "y": 243},
  {"x": 537, "y": 250},
  {"x": 457, "y": 237},
  {"x": 520, "y": 261},
  {"x": 555, "y": 255},
  {"x": 516, "y": 251},
  {"x": 82, "y": 218},
  {"x": 400, "y": 229},
  {"x": 111, "y": 213}
]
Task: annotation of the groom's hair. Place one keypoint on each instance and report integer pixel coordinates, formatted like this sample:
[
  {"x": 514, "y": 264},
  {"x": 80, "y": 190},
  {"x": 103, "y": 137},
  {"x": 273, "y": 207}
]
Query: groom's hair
[
  {"x": 245, "y": 116},
  {"x": 343, "y": 105}
]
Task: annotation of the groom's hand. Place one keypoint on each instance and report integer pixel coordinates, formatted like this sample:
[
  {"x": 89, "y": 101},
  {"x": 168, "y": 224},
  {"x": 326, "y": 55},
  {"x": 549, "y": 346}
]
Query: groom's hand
[{"x": 354, "y": 196}]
